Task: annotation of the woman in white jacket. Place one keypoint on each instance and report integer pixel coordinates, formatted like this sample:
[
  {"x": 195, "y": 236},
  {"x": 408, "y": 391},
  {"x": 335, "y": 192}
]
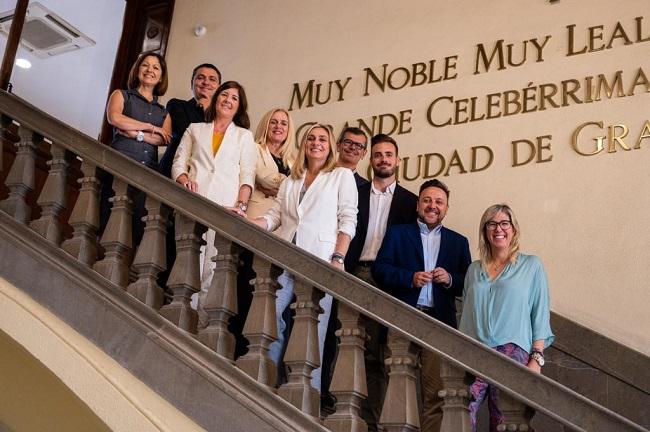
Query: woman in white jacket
[
  {"x": 316, "y": 209},
  {"x": 217, "y": 160}
]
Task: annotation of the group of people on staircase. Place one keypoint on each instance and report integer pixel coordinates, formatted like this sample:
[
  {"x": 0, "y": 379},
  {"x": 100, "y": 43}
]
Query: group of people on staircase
[{"x": 309, "y": 193}]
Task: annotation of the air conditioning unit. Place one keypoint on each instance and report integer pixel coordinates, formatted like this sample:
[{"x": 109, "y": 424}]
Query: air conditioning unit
[{"x": 45, "y": 34}]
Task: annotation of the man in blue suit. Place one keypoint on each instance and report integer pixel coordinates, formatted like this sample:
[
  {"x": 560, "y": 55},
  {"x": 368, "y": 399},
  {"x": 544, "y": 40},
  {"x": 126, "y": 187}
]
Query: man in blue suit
[{"x": 424, "y": 264}]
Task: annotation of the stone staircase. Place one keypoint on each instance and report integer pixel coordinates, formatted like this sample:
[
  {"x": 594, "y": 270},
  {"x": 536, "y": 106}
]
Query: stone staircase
[{"x": 116, "y": 303}]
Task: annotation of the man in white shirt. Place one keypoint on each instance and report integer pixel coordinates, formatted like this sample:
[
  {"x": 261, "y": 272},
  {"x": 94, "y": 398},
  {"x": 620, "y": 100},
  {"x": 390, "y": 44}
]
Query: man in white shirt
[{"x": 382, "y": 203}]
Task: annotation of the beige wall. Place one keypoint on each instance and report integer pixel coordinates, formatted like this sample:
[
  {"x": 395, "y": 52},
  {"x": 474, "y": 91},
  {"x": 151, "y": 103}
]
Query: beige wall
[
  {"x": 52, "y": 378},
  {"x": 586, "y": 216}
]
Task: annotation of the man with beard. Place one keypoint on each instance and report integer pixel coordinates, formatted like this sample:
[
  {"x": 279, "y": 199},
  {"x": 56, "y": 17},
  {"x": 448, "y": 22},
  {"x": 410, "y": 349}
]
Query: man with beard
[
  {"x": 424, "y": 264},
  {"x": 382, "y": 203},
  {"x": 351, "y": 147}
]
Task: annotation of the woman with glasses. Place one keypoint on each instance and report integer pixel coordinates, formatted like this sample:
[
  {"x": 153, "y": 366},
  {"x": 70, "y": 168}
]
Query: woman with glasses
[
  {"x": 506, "y": 303},
  {"x": 316, "y": 209}
]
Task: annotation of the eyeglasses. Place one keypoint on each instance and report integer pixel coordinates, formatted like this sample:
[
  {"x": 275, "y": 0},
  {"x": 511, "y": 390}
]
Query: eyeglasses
[
  {"x": 504, "y": 224},
  {"x": 356, "y": 145}
]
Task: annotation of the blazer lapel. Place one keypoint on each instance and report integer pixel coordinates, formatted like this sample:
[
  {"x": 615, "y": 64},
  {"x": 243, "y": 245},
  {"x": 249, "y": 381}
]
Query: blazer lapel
[
  {"x": 444, "y": 238},
  {"x": 416, "y": 240}
]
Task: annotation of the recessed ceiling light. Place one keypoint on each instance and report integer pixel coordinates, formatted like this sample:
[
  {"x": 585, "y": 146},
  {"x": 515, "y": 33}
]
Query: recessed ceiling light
[{"x": 23, "y": 63}]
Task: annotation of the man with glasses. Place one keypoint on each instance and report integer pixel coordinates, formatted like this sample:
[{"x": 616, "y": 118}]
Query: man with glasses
[
  {"x": 382, "y": 203},
  {"x": 424, "y": 264},
  {"x": 351, "y": 147}
]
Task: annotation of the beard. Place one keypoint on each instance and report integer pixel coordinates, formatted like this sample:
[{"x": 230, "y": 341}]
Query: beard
[{"x": 383, "y": 173}]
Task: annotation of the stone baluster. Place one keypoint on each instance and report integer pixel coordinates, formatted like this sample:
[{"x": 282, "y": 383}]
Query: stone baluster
[
  {"x": 400, "y": 409},
  {"x": 20, "y": 179},
  {"x": 302, "y": 355},
  {"x": 456, "y": 399},
  {"x": 261, "y": 325},
  {"x": 6, "y": 135},
  {"x": 117, "y": 239},
  {"x": 151, "y": 257},
  {"x": 84, "y": 218},
  {"x": 52, "y": 199},
  {"x": 220, "y": 302},
  {"x": 516, "y": 415},
  {"x": 349, "y": 380},
  {"x": 184, "y": 279}
]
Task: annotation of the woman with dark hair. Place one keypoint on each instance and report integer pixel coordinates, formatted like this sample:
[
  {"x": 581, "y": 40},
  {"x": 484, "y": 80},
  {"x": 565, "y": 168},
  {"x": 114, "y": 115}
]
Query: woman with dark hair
[
  {"x": 140, "y": 125},
  {"x": 316, "y": 209},
  {"x": 217, "y": 159},
  {"x": 506, "y": 303}
]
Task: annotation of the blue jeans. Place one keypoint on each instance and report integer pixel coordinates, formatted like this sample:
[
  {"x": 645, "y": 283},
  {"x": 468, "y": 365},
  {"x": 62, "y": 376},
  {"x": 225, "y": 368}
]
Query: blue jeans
[{"x": 285, "y": 295}]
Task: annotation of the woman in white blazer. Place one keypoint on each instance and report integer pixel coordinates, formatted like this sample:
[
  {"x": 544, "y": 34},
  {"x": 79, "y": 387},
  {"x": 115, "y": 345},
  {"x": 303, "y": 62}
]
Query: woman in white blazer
[
  {"x": 276, "y": 148},
  {"x": 316, "y": 209},
  {"x": 217, "y": 160}
]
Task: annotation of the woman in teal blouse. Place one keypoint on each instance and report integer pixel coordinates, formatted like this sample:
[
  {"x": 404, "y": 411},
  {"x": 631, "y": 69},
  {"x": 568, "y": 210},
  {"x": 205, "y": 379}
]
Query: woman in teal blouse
[{"x": 506, "y": 303}]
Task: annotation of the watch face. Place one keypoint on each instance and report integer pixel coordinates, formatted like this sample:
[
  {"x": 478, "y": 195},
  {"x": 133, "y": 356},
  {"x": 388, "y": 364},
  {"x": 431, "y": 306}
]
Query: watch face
[{"x": 140, "y": 136}]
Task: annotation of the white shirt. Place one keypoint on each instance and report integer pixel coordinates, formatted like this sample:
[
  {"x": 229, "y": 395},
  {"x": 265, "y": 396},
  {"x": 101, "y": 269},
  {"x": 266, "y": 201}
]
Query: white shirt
[{"x": 377, "y": 220}]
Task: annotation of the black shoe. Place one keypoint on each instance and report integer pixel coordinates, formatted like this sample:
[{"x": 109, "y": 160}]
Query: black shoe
[{"x": 327, "y": 404}]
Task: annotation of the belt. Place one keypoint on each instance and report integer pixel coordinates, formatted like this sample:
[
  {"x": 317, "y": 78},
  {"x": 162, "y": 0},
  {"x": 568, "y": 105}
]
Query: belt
[{"x": 366, "y": 263}]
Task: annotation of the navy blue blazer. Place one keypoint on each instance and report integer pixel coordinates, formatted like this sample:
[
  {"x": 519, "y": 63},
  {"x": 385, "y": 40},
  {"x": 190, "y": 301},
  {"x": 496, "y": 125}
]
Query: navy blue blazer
[{"x": 401, "y": 255}]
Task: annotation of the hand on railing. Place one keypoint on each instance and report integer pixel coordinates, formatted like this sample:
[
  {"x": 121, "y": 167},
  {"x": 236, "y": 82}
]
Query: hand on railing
[{"x": 185, "y": 181}]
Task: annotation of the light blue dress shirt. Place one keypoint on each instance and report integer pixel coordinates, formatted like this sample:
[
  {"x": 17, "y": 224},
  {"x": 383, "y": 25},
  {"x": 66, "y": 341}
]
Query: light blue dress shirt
[
  {"x": 512, "y": 308},
  {"x": 431, "y": 249}
]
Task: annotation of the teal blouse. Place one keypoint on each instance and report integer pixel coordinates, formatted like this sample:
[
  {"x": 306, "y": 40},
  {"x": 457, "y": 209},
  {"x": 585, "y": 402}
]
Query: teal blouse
[{"x": 513, "y": 308}]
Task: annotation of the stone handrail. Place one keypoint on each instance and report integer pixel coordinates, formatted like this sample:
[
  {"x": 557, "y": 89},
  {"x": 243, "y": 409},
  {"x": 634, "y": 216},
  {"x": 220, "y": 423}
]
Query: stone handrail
[{"x": 407, "y": 325}]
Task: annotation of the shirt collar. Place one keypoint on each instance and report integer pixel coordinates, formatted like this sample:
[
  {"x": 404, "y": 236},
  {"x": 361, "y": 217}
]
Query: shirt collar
[
  {"x": 424, "y": 229},
  {"x": 136, "y": 93},
  {"x": 390, "y": 189}
]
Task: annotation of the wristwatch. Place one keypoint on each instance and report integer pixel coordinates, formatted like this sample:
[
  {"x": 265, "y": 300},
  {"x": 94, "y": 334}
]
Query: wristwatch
[
  {"x": 242, "y": 205},
  {"x": 140, "y": 136},
  {"x": 538, "y": 356},
  {"x": 337, "y": 257}
]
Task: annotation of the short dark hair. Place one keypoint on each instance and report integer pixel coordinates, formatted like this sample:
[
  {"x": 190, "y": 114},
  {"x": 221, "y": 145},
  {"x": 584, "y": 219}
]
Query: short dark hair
[
  {"x": 434, "y": 183},
  {"x": 241, "y": 116},
  {"x": 354, "y": 131},
  {"x": 134, "y": 79},
  {"x": 381, "y": 138},
  {"x": 205, "y": 65}
]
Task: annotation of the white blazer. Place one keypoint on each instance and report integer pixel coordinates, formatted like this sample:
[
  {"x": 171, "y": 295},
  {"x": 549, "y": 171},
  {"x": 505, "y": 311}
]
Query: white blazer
[
  {"x": 219, "y": 177},
  {"x": 328, "y": 207}
]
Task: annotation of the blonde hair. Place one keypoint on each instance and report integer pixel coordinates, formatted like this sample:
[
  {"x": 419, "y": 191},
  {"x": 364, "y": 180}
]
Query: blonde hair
[
  {"x": 300, "y": 165},
  {"x": 288, "y": 149},
  {"x": 484, "y": 248}
]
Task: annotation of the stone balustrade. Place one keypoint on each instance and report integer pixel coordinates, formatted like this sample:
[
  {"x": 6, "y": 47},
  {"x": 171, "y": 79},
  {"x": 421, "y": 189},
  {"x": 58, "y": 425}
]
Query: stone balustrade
[{"x": 135, "y": 268}]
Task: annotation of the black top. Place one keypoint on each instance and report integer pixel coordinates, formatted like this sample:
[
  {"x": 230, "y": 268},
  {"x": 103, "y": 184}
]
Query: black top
[
  {"x": 139, "y": 108},
  {"x": 183, "y": 113},
  {"x": 280, "y": 164}
]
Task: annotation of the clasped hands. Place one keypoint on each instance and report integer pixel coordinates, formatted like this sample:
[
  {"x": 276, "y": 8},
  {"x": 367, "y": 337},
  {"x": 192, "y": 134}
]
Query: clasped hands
[{"x": 437, "y": 275}]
